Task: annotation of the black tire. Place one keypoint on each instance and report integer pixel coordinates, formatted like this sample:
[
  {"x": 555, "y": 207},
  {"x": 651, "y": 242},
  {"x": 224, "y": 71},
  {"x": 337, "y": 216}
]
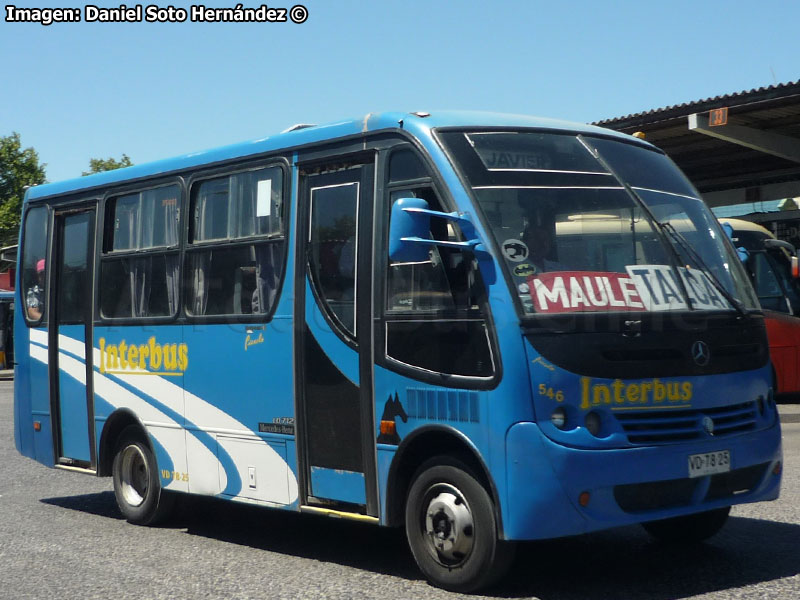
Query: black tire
[
  {"x": 691, "y": 529},
  {"x": 137, "y": 485},
  {"x": 451, "y": 528}
]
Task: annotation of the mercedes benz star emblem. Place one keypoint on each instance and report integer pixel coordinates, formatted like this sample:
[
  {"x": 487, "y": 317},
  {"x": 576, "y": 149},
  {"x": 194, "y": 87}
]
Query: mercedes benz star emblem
[
  {"x": 708, "y": 425},
  {"x": 700, "y": 353}
]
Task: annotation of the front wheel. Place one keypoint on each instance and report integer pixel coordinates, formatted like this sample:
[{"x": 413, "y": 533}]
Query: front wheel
[
  {"x": 452, "y": 531},
  {"x": 137, "y": 486},
  {"x": 689, "y": 529}
]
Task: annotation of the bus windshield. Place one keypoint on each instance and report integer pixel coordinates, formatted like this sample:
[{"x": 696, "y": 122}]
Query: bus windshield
[{"x": 588, "y": 224}]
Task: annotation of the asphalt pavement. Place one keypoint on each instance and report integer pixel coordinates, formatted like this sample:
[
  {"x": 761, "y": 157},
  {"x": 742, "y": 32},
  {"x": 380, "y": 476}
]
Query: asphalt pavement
[{"x": 789, "y": 410}]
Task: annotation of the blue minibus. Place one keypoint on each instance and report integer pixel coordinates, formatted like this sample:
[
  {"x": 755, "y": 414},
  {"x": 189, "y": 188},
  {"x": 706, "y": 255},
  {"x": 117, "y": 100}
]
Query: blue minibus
[{"x": 482, "y": 328}]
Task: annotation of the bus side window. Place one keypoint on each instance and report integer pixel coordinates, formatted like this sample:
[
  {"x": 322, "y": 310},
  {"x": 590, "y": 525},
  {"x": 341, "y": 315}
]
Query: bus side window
[
  {"x": 34, "y": 268},
  {"x": 140, "y": 264},
  {"x": 768, "y": 288},
  {"x": 332, "y": 246},
  {"x": 433, "y": 308},
  {"x": 791, "y": 286},
  {"x": 236, "y": 244},
  {"x": 420, "y": 286}
]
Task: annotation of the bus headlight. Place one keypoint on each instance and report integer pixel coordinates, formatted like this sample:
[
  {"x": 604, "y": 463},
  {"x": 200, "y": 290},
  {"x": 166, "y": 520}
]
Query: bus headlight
[
  {"x": 593, "y": 423},
  {"x": 559, "y": 418}
]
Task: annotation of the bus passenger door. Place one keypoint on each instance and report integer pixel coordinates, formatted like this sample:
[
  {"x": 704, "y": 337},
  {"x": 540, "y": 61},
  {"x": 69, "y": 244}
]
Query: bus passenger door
[
  {"x": 333, "y": 338},
  {"x": 70, "y": 343}
]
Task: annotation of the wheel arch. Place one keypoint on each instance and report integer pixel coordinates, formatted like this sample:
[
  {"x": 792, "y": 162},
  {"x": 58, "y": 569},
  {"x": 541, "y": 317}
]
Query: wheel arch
[
  {"x": 116, "y": 423},
  {"x": 423, "y": 444}
]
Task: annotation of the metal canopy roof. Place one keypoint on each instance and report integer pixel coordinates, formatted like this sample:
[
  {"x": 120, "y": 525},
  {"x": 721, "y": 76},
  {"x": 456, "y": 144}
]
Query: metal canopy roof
[{"x": 758, "y": 144}]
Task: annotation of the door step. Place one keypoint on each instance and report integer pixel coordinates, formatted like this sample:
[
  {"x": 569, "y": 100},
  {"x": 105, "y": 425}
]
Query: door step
[{"x": 339, "y": 514}]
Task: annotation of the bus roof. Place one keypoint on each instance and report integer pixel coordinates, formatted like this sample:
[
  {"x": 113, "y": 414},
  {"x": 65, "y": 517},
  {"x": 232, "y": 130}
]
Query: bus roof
[
  {"x": 419, "y": 124},
  {"x": 742, "y": 225}
]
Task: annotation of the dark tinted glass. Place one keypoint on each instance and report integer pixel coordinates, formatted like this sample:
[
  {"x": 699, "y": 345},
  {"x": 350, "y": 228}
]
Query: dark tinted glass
[
  {"x": 641, "y": 167},
  {"x": 332, "y": 251},
  {"x": 237, "y": 206},
  {"x": 532, "y": 152},
  {"x": 73, "y": 282},
  {"x": 405, "y": 165},
  {"x": 147, "y": 219},
  {"x": 238, "y": 280},
  {"x": 144, "y": 286},
  {"x": 33, "y": 263},
  {"x": 455, "y": 347}
]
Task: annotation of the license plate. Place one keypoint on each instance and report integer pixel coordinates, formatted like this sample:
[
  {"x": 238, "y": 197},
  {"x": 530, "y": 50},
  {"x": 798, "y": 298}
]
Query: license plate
[{"x": 709, "y": 463}]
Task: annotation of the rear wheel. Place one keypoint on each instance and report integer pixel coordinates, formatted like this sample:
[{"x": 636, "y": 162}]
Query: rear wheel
[
  {"x": 689, "y": 529},
  {"x": 137, "y": 486},
  {"x": 452, "y": 530}
]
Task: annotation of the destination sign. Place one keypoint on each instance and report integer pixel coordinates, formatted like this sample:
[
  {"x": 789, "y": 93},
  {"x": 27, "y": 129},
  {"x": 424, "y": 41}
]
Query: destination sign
[{"x": 641, "y": 288}]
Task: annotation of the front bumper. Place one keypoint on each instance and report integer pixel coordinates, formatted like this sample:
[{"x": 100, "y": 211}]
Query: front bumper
[{"x": 625, "y": 486}]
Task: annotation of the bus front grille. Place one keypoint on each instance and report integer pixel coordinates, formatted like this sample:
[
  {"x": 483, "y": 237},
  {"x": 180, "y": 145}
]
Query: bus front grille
[
  {"x": 663, "y": 427},
  {"x": 674, "y": 493}
]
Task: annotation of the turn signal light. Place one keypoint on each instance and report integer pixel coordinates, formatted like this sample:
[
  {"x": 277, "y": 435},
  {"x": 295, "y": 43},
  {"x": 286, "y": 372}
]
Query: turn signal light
[
  {"x": 776, "y": 470},
  {"x": 584, "y": 498},
  {"x": 388, "y": 427},
  {"x": 37, "y": 425}
]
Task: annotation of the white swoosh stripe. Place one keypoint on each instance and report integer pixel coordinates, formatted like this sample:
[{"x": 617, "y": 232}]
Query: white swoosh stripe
[
  {"x": 118, "y": 396},
  {"x": 166, "y": 392}
]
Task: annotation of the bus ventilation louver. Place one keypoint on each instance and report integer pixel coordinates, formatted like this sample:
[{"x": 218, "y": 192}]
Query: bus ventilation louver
[
  {"x": 442, "y": 405},
  {"x": 663, "y": 427}
]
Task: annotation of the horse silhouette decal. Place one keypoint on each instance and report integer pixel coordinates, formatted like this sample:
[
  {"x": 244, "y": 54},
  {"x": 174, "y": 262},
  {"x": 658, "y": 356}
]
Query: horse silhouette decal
[{"x": 388, "y": 432}]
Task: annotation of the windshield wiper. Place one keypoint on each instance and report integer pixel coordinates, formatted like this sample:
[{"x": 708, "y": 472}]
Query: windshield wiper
[
  {"x": 695, "y": 257},
  {"x": 654, "y": 222},
  {"x": 669, "y": 238}
]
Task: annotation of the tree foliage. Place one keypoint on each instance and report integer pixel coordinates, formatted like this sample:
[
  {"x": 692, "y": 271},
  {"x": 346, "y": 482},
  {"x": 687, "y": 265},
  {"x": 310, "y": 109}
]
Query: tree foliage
[
  {"x": 19, "y": 168},
  {"x": 98, "y": 165}
]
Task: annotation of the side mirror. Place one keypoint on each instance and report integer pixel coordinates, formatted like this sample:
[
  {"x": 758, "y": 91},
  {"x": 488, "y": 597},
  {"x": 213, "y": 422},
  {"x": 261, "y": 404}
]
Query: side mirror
[
  {"x": 771, "y": 244},
  {"x": 411, "y": 225},
  {"x": 410, "y": 238},
  {"x": 409, "y": 231}
]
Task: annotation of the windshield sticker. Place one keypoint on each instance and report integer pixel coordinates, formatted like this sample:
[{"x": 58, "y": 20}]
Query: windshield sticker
[
  {"x": 524, "y": 270},
  {"x": 642, "y": 288},
  {"x": 515, "y": 250}
]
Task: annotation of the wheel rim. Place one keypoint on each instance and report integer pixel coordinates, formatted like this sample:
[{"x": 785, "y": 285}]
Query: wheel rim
[
  {"x": 449, "y": 528},
  {"x": 134, "y": 475}
]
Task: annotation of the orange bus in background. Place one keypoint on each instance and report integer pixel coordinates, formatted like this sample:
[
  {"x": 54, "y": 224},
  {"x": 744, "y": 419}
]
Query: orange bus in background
[{"x": 770, "y": 267}]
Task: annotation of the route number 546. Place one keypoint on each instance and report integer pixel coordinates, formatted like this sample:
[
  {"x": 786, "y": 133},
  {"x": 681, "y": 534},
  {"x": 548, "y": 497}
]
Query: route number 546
[{"x": 557, "y": 395}]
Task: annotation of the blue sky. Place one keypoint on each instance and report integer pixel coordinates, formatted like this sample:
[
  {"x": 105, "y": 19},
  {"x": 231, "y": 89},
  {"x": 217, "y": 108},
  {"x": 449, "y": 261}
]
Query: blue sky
[{"x": 78, "y": 91}]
